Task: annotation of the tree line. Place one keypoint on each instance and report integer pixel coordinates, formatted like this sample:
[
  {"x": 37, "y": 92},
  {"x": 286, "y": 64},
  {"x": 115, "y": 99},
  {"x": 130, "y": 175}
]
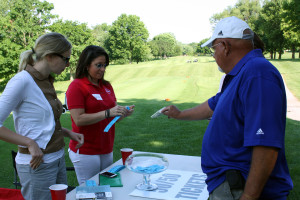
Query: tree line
[
  {"x": 127, "y": 39},
  {"x": 277, "y": 22}
]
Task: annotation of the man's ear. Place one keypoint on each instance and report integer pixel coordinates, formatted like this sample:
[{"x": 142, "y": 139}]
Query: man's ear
[{"x": 227, "y": 47}]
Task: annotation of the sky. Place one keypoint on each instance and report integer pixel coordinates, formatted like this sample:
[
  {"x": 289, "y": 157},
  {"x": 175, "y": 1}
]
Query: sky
[{"x": 188, "y": 20}]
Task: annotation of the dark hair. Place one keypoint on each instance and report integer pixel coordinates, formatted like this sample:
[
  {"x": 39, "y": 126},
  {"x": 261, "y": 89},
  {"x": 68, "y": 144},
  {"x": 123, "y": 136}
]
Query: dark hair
[
  {"x": 258, "y": 43},
  {"x": 86, "y": 58}
]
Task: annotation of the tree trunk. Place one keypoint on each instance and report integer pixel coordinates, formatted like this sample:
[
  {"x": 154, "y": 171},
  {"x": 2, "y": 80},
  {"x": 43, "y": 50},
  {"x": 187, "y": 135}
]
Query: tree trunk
[
  {"x": 271, "y": 54},
  {"x": 279, "y": 55},
  {"x": 293, "y": 54}
]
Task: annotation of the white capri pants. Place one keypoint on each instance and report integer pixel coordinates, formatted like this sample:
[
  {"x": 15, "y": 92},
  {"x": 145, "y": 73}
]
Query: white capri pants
[{"x": 87, "y": 166}]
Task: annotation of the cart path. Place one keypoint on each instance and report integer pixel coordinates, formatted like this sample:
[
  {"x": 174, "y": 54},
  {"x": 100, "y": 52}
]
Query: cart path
[{"x": 293, "y": 105}]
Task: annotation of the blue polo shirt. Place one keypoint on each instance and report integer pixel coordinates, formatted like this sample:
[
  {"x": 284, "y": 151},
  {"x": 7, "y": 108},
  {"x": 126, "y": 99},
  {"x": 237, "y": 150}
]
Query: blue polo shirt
[{"x": 249, "y": 111}]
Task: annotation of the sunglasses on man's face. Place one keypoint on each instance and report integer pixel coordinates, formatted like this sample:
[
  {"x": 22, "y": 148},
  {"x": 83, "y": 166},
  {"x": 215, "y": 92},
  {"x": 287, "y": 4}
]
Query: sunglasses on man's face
[{"x": 66, "y": 59}]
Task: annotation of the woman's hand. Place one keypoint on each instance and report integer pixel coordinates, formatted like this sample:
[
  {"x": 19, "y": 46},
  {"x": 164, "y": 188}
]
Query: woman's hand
[
  {"x": 121, "y": 111},
  {"x": 36, "y": 153},
  {"x": 33, "y": 148},
  {"x": 78, "y": 137},
  {"x": 130, "y": 110}
]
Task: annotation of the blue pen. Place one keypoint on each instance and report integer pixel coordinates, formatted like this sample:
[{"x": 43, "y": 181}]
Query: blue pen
[{"x": 112, "y": 122}]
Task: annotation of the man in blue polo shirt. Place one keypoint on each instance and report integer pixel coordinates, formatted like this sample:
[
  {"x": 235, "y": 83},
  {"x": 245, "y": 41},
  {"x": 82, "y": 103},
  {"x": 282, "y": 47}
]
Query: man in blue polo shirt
[{"x": 243, "y": 147}]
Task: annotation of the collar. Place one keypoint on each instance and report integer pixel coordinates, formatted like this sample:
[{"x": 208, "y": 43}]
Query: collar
[
  {"x": 36, "y": 74},
  {"x": 237, "y": 68},
  {"x": 86, "y": 81}
]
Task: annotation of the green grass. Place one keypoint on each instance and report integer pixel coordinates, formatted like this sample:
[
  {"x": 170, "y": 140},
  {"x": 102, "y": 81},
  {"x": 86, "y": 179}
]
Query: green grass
[
  {"x": 147, "y": 85},
  {"x": 290, "y": 71}
]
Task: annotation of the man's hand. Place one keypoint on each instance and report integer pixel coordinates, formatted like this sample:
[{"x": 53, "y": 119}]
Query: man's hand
[
  {"x": 171, "y": 111},
  {"x": 200, "y": 112}
]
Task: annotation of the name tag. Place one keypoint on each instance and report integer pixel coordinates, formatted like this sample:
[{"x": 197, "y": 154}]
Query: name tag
[{"x": 97, "y": 96}]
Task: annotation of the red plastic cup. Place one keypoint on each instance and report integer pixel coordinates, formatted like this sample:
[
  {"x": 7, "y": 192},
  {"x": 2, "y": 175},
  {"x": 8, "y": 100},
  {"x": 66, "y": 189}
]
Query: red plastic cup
[
  {"x": 125, "y": 153},
  {"x": 58, "y": 191}
]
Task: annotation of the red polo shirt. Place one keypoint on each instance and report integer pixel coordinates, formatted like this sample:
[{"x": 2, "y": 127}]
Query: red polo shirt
[{"x": 83, "y": 94}]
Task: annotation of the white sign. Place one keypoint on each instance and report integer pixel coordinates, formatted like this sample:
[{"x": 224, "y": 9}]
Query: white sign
[{"x": 176, "y": 185}]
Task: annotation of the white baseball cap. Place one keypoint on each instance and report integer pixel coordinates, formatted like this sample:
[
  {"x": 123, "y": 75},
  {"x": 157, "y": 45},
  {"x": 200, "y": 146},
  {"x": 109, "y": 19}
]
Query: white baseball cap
[{"x": 230, "y": 27}]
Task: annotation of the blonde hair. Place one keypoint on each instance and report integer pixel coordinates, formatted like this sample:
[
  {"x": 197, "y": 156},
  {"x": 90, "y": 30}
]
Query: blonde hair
[{"x": 46, "y": 44}]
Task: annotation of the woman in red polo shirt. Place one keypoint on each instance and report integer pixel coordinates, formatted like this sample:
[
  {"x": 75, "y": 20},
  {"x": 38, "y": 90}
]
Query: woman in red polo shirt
[{"x": 92, "y": 104}]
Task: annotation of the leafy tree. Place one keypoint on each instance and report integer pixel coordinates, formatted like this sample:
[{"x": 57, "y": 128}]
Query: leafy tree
[
  {"x": 203, "y": 50},
  {"x": 4, "y": 8},
  {"x": 101, "y": 34},
  {"x": 247, "y": 10},
  {"x": 21, "y": 23},
  {"x": 79, "y": 35},
  {"x": 178, "y": 49},
  {"x": 141, "y": 53},
  {"x": 128, "y": 39},
  {"x": 292, "y": 10},
  {"x": 9, "y": 53},
  {"x": 269, "y": 23},
  {"x": 291, "y": 25},
  {"x": 154, "y": 49},
  {"x": 163, "y": 45},
  {"x": 188, "y": 50},
  {"x": 194, "y": 46}
]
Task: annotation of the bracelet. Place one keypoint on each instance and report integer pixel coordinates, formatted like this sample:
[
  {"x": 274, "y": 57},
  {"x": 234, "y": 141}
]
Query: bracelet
[{"x": 107, "y": 113}]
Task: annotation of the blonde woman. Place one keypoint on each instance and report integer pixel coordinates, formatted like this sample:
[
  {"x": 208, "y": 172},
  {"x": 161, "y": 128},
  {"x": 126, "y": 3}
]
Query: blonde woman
[{"x": 36, "y": 110}]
